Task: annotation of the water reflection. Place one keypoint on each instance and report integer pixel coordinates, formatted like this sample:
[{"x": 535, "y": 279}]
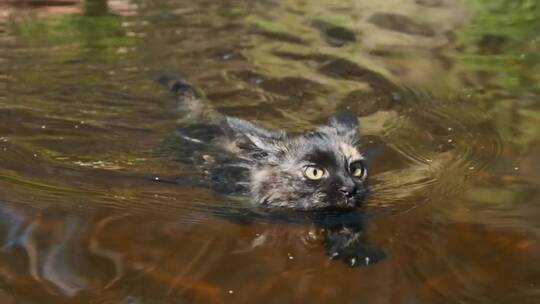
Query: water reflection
[{"x": 80, "y": 255}]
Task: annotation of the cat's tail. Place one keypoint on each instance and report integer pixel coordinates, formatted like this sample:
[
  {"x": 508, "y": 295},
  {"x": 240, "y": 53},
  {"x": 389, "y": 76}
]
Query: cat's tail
[
  {"x": 193, "y": 105},
  {"x": 180, "y": 87}
]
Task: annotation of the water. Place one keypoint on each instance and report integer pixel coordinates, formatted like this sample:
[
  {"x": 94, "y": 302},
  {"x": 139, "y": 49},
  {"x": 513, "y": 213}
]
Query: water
[{"x": 94, "y": 202}]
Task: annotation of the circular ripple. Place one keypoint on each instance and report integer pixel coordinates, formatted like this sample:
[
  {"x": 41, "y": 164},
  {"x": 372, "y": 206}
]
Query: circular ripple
[{"x": 444, "y": 144}]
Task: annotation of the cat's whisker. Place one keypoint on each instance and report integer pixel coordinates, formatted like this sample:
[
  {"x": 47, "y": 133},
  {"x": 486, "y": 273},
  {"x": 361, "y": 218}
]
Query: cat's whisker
[
  {"x": 195, "y": 140},
  {"x": 238, "y": 165}
]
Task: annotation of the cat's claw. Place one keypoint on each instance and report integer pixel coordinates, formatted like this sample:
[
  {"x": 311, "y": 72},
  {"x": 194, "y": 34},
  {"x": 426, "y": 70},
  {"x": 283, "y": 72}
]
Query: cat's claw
[{"x": 358, "y": 256}]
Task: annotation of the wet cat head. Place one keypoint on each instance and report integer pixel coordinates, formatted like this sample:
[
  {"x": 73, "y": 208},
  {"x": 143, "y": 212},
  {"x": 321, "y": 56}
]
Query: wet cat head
[{"x": 319, "y": 169}]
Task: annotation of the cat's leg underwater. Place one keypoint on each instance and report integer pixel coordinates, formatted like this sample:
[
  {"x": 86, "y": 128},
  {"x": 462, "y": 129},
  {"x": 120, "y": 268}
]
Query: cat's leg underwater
[{"x": 346, "y": 239}]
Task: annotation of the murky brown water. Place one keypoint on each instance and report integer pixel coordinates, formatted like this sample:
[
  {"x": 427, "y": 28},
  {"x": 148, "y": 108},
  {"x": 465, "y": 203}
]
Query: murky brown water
[{"x": 448, "y": 96}]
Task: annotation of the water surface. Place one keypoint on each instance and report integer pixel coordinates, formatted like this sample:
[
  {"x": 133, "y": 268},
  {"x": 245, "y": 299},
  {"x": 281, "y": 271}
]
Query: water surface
[{"x": 99, "y": 203}]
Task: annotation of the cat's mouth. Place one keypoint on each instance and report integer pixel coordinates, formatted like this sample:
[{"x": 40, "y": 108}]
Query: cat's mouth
[
  {"x": 351, "y": 202},
  {"x": 348, "y": 203}
]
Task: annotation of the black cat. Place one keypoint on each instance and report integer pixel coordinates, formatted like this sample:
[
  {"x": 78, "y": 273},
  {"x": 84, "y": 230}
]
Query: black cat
[{"x": 319, "y": 175}]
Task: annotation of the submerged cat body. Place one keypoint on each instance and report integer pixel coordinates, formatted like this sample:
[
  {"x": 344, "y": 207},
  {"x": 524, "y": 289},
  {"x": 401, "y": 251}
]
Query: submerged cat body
[
  {"x": 322, "y": 168},
  {"x": 309, "y": 174}
]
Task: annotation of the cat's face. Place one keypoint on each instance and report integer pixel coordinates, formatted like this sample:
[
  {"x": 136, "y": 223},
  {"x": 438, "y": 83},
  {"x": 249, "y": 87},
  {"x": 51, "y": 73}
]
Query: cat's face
[{"x": 318, "y": 169}]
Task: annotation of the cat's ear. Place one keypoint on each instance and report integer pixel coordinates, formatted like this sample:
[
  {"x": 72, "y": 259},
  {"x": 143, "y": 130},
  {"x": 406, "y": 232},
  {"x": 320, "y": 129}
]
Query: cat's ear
[
  {"x": 346, "y": 125},
  {"x": 253, "y": 141}
]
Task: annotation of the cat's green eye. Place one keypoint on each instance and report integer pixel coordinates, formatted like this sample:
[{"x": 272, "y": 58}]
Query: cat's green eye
[
  {"x": 357, "y": 169},
  {"x": 313, "y": 172}
]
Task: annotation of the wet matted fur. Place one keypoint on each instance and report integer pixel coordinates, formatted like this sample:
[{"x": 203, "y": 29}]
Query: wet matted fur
[{"x": 273, "y": 168}]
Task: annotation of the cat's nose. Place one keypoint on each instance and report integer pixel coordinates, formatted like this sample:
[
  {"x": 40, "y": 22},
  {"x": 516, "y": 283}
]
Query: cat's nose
[{"x": 348, "y": 191}]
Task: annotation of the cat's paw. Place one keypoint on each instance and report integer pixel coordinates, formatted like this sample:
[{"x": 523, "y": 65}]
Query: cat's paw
[{"x": 355, "y": 256}]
